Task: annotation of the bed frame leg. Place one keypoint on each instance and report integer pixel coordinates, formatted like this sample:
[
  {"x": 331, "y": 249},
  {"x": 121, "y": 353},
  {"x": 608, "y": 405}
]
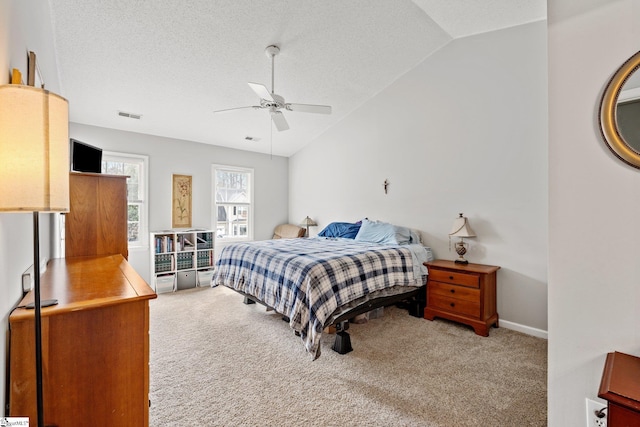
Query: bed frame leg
[
  {"x": 418, "y": 303},
  {"x": 342, "y": 343},
  {"x": 416, "y": 308},
  {"x": 248, "y": 300}
]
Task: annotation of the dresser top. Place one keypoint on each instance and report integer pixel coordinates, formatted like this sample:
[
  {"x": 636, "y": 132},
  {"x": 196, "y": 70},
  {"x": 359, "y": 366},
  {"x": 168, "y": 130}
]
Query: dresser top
[
  {"x": 96, "y": 175},
  {"x": 86, "y": 282},
  {"x": 473, "y": 268},
  {"x": 621, "y": 380}
]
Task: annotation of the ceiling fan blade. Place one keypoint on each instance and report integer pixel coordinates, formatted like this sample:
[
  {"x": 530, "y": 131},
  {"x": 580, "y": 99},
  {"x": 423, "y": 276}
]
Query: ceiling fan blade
[
  {"x": 255, "y": 107},
  {"x": 309, "y": 108},
  {"x": 279, "y": 120},
  {"x": 261, "y": 91}
]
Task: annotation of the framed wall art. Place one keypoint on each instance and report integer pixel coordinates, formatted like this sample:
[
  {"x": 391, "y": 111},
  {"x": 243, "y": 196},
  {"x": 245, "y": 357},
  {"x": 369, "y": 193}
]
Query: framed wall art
[{"x": 181, "y": 201}]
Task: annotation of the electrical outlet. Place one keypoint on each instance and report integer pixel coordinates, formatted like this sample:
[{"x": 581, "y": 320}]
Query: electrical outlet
[
  {"x": 27, "y": 279},
  {"x": 593, "y": 409},
  {"x": 27, "y": 276}
]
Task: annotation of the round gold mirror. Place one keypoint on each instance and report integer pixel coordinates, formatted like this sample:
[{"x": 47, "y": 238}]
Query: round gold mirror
[{"x": 620, "y": 112}]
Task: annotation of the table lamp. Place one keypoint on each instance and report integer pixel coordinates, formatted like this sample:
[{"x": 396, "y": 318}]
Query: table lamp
[
  {"x": 308, "y": 222},
  {"x": 462, "y": 229}
]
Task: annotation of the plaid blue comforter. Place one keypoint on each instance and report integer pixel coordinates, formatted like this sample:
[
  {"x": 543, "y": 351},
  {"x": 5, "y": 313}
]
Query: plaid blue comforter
[{"x": 307, "y": 279}]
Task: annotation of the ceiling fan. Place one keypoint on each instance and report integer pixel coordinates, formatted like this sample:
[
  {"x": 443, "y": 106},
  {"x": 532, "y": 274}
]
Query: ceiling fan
[{"x": 274, "y": 102}]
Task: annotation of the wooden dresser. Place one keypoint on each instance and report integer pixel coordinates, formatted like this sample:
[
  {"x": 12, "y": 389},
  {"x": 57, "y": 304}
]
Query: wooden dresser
[
  {"x": 97, "y": 220},
  {"x": 620, "y": 386},
  {"x": 95, "y": 345},
  {"x": 465, "y": 293}
]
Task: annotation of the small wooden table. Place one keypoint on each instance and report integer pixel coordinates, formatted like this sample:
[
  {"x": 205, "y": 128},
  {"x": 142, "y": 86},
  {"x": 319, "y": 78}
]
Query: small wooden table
[
  {"x": 464, "y": 293},
  {"x": 620, "y": 387}
]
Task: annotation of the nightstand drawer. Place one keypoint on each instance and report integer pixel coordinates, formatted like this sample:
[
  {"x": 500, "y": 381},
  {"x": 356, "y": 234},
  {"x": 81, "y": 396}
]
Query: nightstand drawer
[
  {"x": 447, "y": 290},
  {"x": 463, "y": 279},
  {"x": 454, "y": 305}
]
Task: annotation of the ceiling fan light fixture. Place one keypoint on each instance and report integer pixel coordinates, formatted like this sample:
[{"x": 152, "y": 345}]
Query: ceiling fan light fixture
[{"x": 276, "y": 102}]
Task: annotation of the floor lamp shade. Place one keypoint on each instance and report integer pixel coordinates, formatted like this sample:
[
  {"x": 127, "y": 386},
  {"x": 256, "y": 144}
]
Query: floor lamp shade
[{"x": 34, "y": 150}]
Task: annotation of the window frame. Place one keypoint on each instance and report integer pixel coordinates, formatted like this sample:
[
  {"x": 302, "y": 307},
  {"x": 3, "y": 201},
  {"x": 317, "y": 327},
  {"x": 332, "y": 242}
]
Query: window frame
[
  {"x": 143, "y": 160},
  {"x": 214, "y": 203}
]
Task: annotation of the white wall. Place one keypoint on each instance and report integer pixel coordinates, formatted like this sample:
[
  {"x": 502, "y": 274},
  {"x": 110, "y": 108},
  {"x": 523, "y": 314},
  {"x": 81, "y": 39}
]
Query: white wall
[
  {"x": 464, "y": 131},
  {"x": 594, "y": 205},
  {"x": 24, "y": 25},
  {"x": 172, "y": 156}
]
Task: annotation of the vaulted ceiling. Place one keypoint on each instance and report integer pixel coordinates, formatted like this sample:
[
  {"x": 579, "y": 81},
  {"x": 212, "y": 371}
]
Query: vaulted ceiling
[{"x": 174, "y": 63}]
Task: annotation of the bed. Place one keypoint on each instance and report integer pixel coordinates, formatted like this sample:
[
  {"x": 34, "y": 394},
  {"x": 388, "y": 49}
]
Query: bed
[{"x": 325, "y": 280}]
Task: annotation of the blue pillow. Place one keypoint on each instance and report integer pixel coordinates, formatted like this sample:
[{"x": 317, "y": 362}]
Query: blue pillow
[
  {"x": 345, "y": 230},
  {"x": 376, "y": 232},
  {"x": 383, "y": 233}
]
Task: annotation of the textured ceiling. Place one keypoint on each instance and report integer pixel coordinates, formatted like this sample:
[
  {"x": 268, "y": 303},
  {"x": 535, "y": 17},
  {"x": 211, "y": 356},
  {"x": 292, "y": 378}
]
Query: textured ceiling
[{"x": 176, "y": 62}]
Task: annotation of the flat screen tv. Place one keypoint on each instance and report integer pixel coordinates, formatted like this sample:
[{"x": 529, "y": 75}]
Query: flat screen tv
[{"x": 85, "y": 157}]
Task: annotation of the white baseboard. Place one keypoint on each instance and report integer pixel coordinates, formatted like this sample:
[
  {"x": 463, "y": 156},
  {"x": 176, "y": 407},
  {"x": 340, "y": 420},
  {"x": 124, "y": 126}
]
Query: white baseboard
[{"x": 524, "y": 329}]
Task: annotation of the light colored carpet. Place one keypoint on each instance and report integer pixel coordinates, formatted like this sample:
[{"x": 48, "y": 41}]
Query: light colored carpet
[{"x": 218, "y": 362}]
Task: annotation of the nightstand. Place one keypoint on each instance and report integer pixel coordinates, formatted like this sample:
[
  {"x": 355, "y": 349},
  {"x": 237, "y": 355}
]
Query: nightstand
[
  {"x": 465, "y": 293},
  {"x": 620, "y": 386}
]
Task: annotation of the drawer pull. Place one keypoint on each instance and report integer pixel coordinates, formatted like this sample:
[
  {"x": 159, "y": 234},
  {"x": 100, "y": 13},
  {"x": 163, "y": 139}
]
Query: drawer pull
[
  {"x": 452, "y": 304},
  {"x": 450, "y": 277},
  {"x": 453, "y": 291}
]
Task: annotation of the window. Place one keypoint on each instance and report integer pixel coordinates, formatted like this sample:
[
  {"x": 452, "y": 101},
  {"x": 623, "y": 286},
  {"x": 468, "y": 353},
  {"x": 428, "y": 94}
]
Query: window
[
  {"x": 233, "y": 200},
  {"x": 135, "y": 167}
]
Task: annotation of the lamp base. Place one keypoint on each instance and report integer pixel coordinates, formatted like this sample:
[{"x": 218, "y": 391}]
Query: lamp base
[
  {"x": 461, "y": 249},
  {"x": 43, "y": 303}
]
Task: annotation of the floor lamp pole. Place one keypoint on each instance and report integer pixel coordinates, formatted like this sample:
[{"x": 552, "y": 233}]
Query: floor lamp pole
[{"x": 38, "y": 318}]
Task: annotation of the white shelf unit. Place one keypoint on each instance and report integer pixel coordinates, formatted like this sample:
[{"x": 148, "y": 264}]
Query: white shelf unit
[{"x": 181, "y": 259}]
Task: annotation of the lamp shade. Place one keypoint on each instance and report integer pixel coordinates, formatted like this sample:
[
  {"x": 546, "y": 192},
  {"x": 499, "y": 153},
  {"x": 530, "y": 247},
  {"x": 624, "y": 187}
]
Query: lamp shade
[
  {"x": 34, "y": 150},
  {"x": 461, "y": 228},
  {"x": 308, "y": 222}
]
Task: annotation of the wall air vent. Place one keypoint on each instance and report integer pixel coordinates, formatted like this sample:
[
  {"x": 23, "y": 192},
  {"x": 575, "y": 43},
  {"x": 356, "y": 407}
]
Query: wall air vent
[{"x": 130, "y": 115}]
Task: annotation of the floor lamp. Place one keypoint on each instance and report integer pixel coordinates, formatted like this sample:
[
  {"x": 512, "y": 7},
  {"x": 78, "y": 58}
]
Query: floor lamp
[{"x": 34, "y": 176}]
